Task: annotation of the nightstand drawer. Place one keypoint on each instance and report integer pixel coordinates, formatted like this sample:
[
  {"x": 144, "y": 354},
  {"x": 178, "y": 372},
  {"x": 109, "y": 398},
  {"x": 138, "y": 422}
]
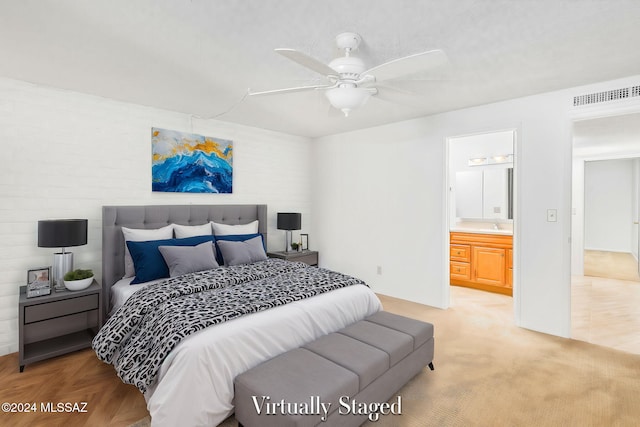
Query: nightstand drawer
[
  {"x": 308, "y": 257},
  {"x": 36, "y": 313},
  {"x": 311, "y": 259}
]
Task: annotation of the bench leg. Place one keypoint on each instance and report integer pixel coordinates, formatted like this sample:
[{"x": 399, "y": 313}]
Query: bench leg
[{"x": 431, "y": 366}]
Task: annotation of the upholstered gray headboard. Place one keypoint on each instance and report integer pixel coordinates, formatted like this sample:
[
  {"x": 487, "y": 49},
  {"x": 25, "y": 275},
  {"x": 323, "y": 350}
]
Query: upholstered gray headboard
[{"x": 116, "y": 217}]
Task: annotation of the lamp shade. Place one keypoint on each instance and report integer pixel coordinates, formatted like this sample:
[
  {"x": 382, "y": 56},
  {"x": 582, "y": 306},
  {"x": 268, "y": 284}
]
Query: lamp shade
[
  {"x": 62, "y": 233},
  {"x": 289, "y": 221}
]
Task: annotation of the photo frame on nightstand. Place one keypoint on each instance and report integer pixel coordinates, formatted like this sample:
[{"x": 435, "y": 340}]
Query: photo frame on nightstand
[
  {"x": 38, "y": 282},
  {"x": 304, "y": 241}
]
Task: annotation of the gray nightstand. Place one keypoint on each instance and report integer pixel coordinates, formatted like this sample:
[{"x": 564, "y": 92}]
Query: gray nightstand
[
  {"x": 309, "y": 257},
  {"x": 58, "y": 323}
]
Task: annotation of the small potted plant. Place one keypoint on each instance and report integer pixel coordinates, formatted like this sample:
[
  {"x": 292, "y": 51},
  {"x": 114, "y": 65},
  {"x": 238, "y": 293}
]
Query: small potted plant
[{"x": 78, "y": 279}]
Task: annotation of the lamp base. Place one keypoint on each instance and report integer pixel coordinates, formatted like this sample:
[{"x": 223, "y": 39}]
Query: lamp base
[
  {"x": 287, "y": 244},
  {"x": 62, "y": 264}
]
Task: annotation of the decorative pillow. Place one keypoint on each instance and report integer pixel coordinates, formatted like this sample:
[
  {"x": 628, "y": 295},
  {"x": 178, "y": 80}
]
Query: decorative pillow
[
  {"x": 188, "y": 259},
  {"x": 242, "y": 252},
  {"x": 140, "y": 235},
  {"x": 184, "y": 231},
  {"x": 226, "y": 229},
  {"x": 235, "y": 238},
  {"x": 148, "y": 261}
]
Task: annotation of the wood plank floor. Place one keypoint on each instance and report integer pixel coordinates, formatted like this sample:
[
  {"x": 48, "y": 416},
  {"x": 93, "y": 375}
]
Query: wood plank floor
[{"x": 73, "y": 378}]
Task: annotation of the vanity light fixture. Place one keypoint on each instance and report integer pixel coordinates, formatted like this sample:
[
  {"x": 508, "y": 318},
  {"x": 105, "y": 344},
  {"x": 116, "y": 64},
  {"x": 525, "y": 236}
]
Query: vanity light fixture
[
  {"x": 501, "y": 158},
  {"x": 477, "y": 161}
]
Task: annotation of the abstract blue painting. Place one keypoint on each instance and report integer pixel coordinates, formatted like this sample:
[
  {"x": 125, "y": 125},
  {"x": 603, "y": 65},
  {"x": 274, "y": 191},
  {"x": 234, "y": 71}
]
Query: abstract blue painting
[{"x": 190, "y": 163}]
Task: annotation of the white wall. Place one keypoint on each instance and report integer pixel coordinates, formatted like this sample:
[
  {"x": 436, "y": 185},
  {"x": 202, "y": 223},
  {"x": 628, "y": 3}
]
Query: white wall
[
  {"x": 380, "y": 200},
  {"x": 608, "y": 186},
  {"x": 400, "y": 168},
  {"x": 66, "y": 154}
]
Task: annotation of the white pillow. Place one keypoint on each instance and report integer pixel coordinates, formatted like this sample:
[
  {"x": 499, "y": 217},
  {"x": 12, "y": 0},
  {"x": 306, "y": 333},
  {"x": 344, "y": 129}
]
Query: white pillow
[
  {"x": 184, "y": 231},
  {"x": 228, "y": 230},
  {"x": 141, "y": 235}
]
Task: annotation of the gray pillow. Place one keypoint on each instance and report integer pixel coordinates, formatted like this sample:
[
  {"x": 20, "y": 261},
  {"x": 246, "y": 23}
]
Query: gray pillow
[
  {"x": 244, "y": 252},
  {"x": 189, "y": 259}
]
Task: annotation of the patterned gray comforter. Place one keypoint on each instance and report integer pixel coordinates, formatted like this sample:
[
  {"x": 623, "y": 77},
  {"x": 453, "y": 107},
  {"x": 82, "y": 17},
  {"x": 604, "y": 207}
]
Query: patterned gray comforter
[{"x": 140, "y": 335}]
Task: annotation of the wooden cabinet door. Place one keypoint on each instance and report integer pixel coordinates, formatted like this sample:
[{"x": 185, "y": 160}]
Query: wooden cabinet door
[{"x": 489, "y": 265}]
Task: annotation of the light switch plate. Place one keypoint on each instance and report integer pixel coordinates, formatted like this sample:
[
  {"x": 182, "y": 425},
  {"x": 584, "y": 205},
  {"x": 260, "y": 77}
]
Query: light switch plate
[{"x": 552, "y": 215}]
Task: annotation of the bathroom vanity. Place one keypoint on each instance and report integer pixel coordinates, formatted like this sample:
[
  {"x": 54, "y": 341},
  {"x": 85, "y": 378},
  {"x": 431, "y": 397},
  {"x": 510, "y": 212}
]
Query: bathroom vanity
[{"x": 482, "y": 259}]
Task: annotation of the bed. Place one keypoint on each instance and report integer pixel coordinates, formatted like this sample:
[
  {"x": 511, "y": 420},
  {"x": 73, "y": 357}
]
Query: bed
[{"x": 193, "y": 384}]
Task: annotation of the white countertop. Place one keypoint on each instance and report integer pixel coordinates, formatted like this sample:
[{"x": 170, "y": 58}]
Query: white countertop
[{"x": 481, "y": 231}]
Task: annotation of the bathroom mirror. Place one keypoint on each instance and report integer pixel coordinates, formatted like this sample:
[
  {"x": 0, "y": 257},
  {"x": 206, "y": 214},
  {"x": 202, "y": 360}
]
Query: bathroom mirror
[{"x": 484, "y": 194}]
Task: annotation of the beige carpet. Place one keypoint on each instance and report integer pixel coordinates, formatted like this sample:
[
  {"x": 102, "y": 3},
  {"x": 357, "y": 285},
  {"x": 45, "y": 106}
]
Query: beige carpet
[
  {"x": 614, "y": 265},
  {"x": 491, "y": 373}
]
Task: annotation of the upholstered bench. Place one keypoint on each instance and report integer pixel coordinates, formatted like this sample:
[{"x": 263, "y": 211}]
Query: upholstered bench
[{"x": 338, "y": 379}]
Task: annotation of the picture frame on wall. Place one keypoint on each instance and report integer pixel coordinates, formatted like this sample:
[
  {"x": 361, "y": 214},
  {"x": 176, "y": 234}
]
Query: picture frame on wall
[{"x": 38, "y": 282}]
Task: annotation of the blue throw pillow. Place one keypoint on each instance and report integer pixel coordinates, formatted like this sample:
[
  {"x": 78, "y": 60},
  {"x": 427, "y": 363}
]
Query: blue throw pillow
[
  {"x": 235, "y": 238},
  {"x": 148, "y": 261}
]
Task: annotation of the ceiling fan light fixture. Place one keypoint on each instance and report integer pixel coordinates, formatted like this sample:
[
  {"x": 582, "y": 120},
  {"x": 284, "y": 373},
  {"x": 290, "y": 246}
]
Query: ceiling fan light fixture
[{"x": 346, "y": 99}]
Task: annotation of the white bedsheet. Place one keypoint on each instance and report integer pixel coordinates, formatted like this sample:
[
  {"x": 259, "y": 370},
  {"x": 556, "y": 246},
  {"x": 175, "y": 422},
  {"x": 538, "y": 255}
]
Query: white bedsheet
[
  {"x": 123, "y": 289},
  {"x": 195, "y": 383}
]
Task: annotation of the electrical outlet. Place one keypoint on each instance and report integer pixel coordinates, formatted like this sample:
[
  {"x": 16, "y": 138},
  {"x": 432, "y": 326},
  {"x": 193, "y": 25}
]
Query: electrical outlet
[
  {"x": 552, "y": 215},
  {"x": 379, "y": 270}
]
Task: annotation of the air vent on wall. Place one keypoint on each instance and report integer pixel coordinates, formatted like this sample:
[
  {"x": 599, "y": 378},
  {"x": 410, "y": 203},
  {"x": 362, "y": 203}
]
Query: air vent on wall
[{"x": 609, "y": 95}]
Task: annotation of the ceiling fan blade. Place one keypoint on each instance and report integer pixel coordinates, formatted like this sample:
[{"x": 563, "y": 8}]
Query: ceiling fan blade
[
  {"x": 409, "y": 65},
  {"x": 307, "y": 61},
  {"x": 289, "y": 90},
  {"x": 399, "y": 96}
]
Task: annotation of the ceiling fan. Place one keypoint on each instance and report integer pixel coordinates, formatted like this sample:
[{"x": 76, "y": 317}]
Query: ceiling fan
[{"x": 349, "y": 83}]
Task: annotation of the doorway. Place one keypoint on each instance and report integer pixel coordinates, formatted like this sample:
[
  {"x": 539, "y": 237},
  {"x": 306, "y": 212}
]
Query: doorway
[
  {"x": 611, "y": 212},
  {"x": 605, "y": 285},
  {"x": 480, "y": 211}
]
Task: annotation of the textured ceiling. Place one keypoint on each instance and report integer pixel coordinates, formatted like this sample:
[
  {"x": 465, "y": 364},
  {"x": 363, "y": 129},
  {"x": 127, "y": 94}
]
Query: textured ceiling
[{"x": 201, "y": 56}]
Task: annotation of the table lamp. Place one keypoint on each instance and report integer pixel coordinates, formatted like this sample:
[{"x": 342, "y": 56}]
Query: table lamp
[
  {"x": 289, "y": 221},
  {"x": 62, "y": 233}
]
